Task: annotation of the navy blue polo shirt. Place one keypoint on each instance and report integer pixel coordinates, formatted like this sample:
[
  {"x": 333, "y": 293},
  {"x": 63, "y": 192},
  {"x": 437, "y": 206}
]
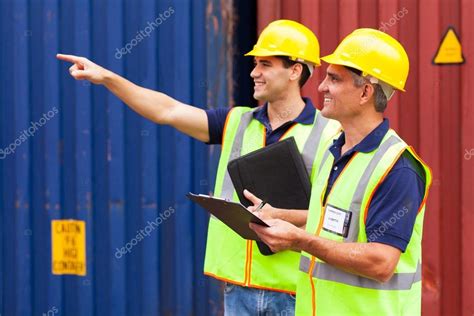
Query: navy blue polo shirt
[
  {"x": 216, "y": 120},
  {"x": 394, "y": 206}
]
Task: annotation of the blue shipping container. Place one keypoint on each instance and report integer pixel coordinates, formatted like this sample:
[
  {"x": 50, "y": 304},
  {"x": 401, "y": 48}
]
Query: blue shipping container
[{"x": 72, "y": 150}]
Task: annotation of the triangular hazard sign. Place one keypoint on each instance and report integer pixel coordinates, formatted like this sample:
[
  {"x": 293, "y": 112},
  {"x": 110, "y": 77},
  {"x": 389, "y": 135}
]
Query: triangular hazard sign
[{"x": 450, "y": 50}]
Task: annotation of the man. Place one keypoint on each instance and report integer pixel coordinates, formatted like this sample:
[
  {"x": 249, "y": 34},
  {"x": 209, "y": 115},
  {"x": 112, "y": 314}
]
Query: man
[
  {"x": 285, "y": 55},
  {"x": 361, "y": 251}
]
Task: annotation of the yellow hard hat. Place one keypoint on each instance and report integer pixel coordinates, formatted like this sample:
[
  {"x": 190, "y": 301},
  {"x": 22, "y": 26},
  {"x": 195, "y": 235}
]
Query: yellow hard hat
[
  {"x": 375, "y": 53},
  {"x": 288, "y": 38}
]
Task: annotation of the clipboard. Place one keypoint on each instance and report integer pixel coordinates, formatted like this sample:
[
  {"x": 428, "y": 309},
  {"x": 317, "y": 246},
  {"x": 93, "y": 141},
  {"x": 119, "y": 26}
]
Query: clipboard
[
  {"x": 276, "y": 174},
  {"x": 233, "y": 214}
]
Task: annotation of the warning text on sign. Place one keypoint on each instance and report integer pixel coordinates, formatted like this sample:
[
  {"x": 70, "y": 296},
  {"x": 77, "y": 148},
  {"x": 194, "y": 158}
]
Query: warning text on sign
[{"x": 68, "y": 238}]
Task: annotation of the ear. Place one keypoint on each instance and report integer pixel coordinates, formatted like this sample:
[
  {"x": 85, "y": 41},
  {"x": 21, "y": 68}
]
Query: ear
[
  {"x": 296, "y": 71},
  {"x": 367, "y": 93}
]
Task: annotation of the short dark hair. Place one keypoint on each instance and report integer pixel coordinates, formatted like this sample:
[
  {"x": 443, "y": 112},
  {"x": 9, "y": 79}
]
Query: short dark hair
[{"x": 305, "y": 74}]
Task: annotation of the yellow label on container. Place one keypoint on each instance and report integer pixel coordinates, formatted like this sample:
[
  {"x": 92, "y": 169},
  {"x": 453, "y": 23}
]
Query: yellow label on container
[
  {"x": 450, "y": 49},
  {"x": 68, "y": 247}
]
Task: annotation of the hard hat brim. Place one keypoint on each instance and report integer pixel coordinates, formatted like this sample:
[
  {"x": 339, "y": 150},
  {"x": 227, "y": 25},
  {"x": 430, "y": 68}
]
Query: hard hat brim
[
  {"x": 337, "y": 60},
  {"x": 260, "y": 52}
]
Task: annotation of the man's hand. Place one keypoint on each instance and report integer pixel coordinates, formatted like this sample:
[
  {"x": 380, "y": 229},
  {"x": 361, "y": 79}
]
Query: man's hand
[
  {"x": 371, "y": 260},
  {"x": 280, "y": 235},
  {"x": 84, "y": 69},
  {"x": 295, "y": 217},
  {"x": 266, "y": 212}
]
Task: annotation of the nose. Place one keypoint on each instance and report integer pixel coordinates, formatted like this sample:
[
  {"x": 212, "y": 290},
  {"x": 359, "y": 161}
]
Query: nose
[
  {"x": 323, "y": 87},
  {"x": 255, "y": 73}
]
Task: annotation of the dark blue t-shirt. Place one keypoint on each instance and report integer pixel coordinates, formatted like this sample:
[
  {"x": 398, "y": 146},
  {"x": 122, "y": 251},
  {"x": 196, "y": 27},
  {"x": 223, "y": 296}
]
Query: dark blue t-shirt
[
  {"x": 216, "y": 120},
  {"x": 402, "y": 189}
]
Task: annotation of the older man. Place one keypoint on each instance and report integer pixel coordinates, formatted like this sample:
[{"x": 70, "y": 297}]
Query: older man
[{"x": 361, "y": 251}]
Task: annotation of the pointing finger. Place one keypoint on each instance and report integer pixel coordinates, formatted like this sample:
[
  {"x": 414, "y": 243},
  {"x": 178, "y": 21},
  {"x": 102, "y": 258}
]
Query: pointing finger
[{"x": 69, "y": 58}]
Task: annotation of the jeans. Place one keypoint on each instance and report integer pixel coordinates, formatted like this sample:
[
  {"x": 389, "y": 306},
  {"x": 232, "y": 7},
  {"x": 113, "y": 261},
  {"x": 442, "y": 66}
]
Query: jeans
[{"x": 246, "y": 301}]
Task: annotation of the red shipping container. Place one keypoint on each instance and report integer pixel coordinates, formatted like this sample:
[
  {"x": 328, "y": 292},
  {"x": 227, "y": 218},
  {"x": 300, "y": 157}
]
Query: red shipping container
[{"x": 435, "y": 115}]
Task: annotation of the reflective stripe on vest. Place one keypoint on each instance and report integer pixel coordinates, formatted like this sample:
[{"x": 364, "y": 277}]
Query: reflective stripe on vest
[
  {"x": 323, "y": 161},
  {"x": 358, "y": 196},
  {"x": 324, "y": 289},
  {"x": 308, "y": 153},
  {"x": 231, "y": 258},
  {"x": 324, "y": 271},
  {"x": 227, "y": 186}
]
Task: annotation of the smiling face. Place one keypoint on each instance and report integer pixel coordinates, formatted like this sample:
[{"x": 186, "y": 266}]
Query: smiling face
[
  {"x": 272, "y": 79},
  {"x": 342, "y": 99}
]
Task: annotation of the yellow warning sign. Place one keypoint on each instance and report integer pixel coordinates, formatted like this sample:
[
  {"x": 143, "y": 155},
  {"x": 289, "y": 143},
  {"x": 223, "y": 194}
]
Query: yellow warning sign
[
  {"x": 68, "y": 240},
  {"x": 450, "y": 50}
]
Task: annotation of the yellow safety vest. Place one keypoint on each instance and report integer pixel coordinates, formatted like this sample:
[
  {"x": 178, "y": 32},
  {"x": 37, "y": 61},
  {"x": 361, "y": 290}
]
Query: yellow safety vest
[
  {"x": 326, "y": 290},
  {"x": 231, "y": 258}
]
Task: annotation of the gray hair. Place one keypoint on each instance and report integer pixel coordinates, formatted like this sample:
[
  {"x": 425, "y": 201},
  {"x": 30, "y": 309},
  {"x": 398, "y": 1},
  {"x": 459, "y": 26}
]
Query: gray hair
[{"x": 379, "y": 95}]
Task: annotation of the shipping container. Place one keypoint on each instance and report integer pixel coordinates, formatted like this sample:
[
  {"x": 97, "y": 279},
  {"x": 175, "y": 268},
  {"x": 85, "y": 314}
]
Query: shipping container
[
  {"x": 72, "y": 150},
  {"x": 435, "y": 115}
]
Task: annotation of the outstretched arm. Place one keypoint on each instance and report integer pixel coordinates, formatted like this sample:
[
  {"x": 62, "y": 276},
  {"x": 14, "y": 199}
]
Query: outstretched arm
[{"x": 155, "y": 106}]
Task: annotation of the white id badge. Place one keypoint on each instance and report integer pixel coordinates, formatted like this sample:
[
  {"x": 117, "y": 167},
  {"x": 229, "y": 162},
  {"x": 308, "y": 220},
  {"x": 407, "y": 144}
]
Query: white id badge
[{"x": 336, "y": 220}]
